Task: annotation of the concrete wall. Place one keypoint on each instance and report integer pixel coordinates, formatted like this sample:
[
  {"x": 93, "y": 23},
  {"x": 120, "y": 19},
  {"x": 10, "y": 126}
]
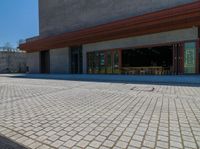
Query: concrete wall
[
  {"x": 158, "y": 38},
  {"x": 33, "y": 62},
  {"x": 57, "y": 16},
  {"x": 59, "y": 60},
  {"x": 12, "y": 62}
]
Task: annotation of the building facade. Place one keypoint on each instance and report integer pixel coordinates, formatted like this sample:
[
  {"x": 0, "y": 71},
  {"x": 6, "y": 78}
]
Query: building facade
[
  {"x": 12, "y": 62},
  {"x": 159, "y": 37}
]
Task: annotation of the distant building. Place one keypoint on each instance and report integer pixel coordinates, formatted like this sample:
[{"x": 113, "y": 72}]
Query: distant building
[
  {"x": 8, "y": 49},
  {"x": 12, "y": 61},
  {"x": 116, "y": 37}
]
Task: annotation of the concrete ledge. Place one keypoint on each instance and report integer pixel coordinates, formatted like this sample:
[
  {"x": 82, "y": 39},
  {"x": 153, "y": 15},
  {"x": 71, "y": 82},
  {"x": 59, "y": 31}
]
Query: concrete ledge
[{"x": 183, "y": 79}]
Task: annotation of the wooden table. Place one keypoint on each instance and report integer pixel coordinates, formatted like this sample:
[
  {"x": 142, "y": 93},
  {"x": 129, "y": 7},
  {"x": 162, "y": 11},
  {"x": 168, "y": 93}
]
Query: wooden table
[{"x": 143, "y": 70}]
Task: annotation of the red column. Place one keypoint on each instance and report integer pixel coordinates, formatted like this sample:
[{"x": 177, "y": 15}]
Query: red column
[{"x": 181, "y": 58}]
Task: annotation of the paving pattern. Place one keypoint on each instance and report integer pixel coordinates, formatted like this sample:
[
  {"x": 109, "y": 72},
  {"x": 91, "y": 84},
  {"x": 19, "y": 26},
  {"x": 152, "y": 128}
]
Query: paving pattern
[{"x": 51, "y": 114}]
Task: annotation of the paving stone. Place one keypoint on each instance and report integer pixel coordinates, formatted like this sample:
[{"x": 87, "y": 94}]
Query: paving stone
[
  {"x": 70, "y": 143},
  {"x": 95, "y": 144},
  {"x": 125, "y": 138},
  {"x": 43, "y": 114},
  {"x": 83, "y": 143},
  {"x": 28, "y": 142},
  {"x": 35, "y": 145},
  {"x": 57, "y": 143},
  {"x": 43, "y": 147},
  {"x": 176, "y": 144},
  {"x": 122, "y": 144},
  {"x": 50, "y": 133},
  {"x": 135, "y": 143},
  {"x": 76, "y": 138},
  {"x": 53, "y": 138},
  {"x": 109, "y": 143},
  {"x": 65, "y": 138},
  {"x": 89, "y": 137},
  {"x": 100, "y": 138},
  {"x": 149, "y": 144},
  {"x": 189, "y": 144}
]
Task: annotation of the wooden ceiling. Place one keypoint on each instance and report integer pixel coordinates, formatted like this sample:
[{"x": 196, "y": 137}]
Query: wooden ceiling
[{"x": 184, "y": 16}]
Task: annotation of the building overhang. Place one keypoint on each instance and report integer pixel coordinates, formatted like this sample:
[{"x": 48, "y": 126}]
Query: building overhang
[{"x": 184, "y": 16}]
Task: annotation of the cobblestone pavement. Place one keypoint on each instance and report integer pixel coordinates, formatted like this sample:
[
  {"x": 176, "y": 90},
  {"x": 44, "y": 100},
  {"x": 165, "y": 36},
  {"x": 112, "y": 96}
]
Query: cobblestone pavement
[{"x": 42, "y": 114}]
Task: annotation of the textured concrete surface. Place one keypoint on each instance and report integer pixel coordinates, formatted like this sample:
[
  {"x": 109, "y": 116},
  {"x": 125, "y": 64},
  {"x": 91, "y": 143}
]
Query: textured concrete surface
[
  {"x": 43, "y": 113},
  {"x": 33, "y": 62},
  {"x": 59, "y": 61},
  {"x": 57, "y": 16}
]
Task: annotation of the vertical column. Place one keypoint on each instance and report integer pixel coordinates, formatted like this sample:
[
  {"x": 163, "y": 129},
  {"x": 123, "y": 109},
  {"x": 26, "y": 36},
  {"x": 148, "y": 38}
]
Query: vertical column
[
  {"x": 181, "y": 58},
  {"x": 120, "y": 60},
  {"x": 175, "y": 58},
  {"x": 197, "y": 56}
]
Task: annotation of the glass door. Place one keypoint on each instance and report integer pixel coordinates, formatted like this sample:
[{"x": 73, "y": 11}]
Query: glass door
[{"x": 76, "y": 60}]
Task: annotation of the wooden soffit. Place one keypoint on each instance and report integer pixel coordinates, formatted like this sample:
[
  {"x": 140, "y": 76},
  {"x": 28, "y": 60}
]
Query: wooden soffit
[{"x": 184, "y": 16}]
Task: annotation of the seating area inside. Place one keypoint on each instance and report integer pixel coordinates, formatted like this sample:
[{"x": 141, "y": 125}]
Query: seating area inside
[
  {"x": 132, "y": 61},
  {"x": 151, "y": 61}
]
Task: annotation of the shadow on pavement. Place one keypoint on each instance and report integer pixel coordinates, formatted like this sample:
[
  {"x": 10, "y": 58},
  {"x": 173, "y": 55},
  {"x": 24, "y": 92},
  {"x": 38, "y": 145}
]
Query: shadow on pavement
[
  {"x": 5, "y": 143},
  {"x": 190, "y": 80}
]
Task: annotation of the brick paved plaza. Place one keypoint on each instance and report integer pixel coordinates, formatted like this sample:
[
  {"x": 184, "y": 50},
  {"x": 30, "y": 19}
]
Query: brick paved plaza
[{"x": 42, "y": 114}]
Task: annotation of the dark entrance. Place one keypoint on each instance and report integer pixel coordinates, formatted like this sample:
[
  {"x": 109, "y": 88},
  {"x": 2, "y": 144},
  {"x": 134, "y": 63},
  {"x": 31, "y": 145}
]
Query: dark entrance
[
  {"x": 44, "y": 62},
  {"x": 153, "y": 61},
  {"x": 76, "y": 60}
]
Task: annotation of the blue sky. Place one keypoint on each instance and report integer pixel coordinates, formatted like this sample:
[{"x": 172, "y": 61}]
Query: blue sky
[{"x": 18, "y": 20}]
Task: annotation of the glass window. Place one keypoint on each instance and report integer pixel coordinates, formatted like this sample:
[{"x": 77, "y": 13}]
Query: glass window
[{"x": 190, "y": 57}]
